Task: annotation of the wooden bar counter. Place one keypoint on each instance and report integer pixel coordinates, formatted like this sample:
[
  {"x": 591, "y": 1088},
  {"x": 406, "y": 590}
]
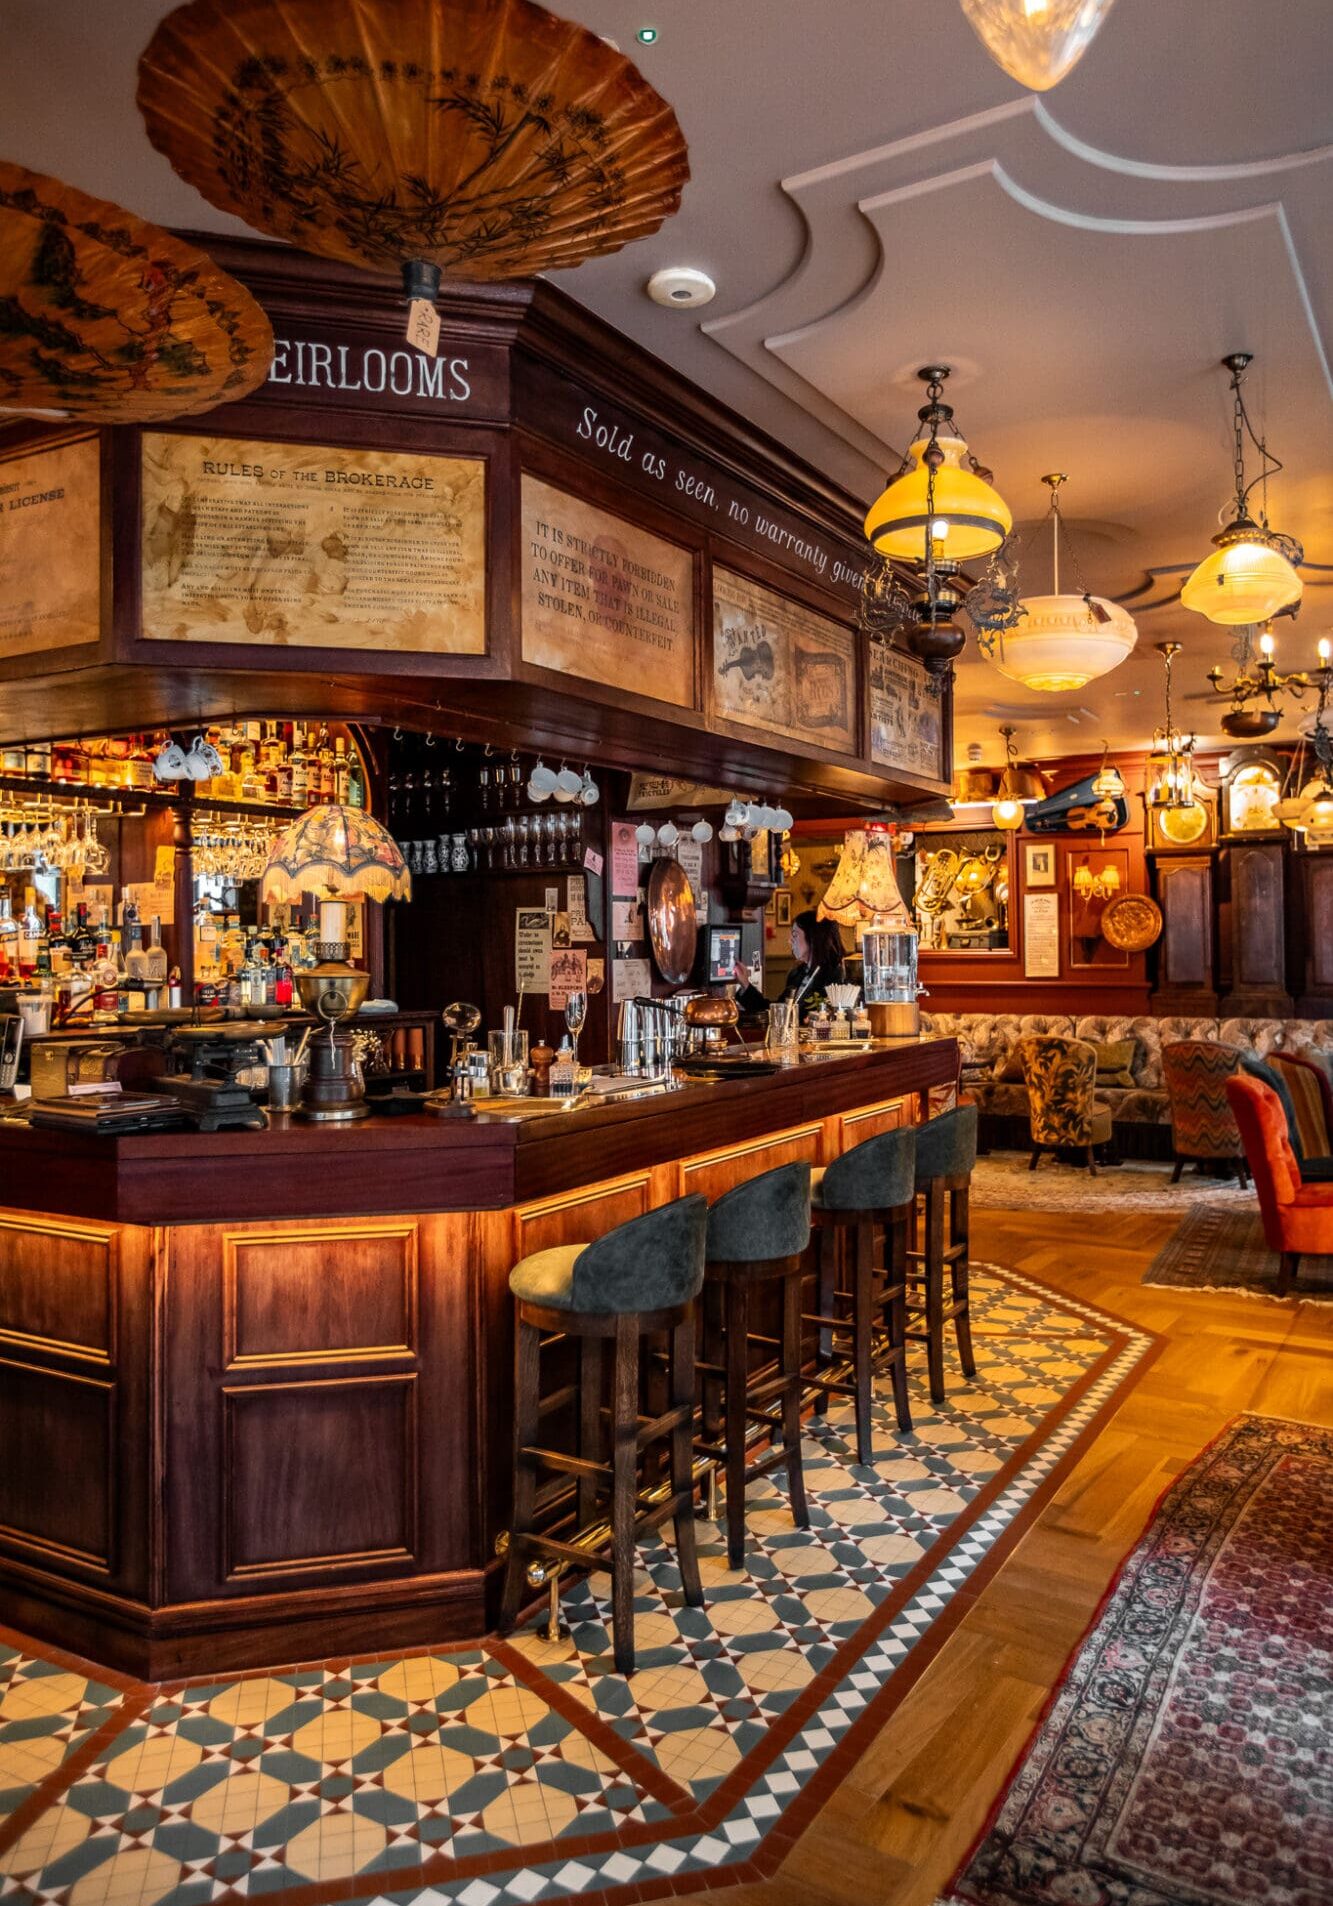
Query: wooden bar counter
[{"x": 255, "y": 1388}]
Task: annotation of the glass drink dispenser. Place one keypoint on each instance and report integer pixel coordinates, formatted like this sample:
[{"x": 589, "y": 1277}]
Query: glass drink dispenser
[{"x": 889, "y": 982}]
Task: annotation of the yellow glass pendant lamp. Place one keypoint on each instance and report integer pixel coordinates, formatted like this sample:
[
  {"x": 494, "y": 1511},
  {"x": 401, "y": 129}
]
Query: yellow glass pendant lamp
[
  {"x": 1036, "y": 41},
  {"x": 1245, "y": 579},
  {"x": 1251, "y": 574},
  {"x": 940, "y": 507}
]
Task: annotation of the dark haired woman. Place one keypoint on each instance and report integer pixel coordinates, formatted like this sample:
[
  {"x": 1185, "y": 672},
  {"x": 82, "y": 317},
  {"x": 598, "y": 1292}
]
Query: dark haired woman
[{"x": 816, "y": 947}]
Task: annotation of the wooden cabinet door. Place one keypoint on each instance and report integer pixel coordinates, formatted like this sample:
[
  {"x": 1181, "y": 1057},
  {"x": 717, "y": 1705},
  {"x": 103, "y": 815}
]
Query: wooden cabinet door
[
  {"x": 1257, "y": 930},
  {"x": 1185, "y": 969}
]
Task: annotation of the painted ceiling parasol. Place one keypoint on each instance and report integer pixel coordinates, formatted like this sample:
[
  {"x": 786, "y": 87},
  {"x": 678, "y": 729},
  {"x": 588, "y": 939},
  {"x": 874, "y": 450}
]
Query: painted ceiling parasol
[
  {"x": 111, "y": 320},
  {"x": 488, "y": 139}
]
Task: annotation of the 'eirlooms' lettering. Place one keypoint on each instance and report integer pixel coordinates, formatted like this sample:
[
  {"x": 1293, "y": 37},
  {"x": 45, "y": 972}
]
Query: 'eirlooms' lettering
[{"x": 351, "y": 367}]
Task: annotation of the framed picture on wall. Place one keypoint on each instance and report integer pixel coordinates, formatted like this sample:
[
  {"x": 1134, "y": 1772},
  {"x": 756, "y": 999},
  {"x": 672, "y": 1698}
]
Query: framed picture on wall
[
  {"x": 1041, "y": 936},
  {"x": 782, "y": 904},
  {"x": 1038, "y": 863}
]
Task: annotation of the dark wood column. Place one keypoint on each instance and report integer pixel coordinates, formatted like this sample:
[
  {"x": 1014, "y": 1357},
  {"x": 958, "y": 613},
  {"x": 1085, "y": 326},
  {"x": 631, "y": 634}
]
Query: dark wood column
[
  {"x": 1186, "y": 968},
  {"x": 1256, "y": 930}
]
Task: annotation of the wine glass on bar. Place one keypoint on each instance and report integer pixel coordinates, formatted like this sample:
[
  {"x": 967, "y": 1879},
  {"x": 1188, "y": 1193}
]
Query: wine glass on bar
[{"x": 576, "y": 1011}]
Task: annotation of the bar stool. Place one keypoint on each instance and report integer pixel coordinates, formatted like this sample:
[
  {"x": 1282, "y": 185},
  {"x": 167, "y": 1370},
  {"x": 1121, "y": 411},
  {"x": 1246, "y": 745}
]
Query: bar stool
[
  {"x": 946, "y": 1152},
  {"x": 757, "y": 1234},
  {"x": 870, "y": 1184},
  {"x": 644, "y": 1276}
]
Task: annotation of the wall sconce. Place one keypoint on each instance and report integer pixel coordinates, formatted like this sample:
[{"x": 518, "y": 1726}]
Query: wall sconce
[{"x": 1089, "y": 885}]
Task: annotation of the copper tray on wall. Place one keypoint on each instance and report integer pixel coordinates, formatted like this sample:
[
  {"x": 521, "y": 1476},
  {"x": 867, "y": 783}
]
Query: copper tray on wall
[
  {"x": 673, "y": 926},
  {"x": 1132, "y": 923}
]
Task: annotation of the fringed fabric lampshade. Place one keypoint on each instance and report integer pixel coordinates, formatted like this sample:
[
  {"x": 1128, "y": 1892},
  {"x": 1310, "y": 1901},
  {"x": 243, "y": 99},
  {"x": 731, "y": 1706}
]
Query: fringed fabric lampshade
[
  {"x": 864, "y": 890},
  {"x": 336, "y": 851},
  {"x": 485, "y": 138},
  {"x": 108, "y": 319}
]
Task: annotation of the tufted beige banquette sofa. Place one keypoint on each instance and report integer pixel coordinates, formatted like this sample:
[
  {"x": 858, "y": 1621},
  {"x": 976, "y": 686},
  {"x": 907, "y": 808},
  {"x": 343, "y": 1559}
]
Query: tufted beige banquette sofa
[{"x": 1139, "y": 1108}]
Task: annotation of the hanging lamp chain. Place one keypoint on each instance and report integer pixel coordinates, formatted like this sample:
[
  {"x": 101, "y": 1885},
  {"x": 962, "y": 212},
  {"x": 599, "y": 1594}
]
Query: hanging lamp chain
[{"x": 1242, "y": 428}]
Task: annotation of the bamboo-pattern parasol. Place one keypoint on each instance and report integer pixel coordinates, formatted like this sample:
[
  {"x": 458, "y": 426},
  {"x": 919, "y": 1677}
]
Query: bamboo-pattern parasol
[
  {"x": 484, "y": 138},
  {"x": 111, "y": 320}
]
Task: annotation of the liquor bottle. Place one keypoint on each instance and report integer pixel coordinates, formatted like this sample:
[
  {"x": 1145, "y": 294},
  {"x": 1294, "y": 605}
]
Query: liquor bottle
[
  {"x": 57, "y": 944},
  {"x": 282, "y": 990},
  {"x": 136, "y": 959},
  {"x": 300, "y": 793},
  {"x": 325, "y": 758},
  {"x": 356, "y": 782},
  {"x": 340, "y": 771},
  {"x": 9, "y": 938},
  {"x": 83, "y": 946},
  {"x": 41, "y": 944},
  {"x": 37, "y": 760},
  {"x": 30, "y": 933},
  {"x": 139, "y": 767},
  {"x": 155, "y": 958}
]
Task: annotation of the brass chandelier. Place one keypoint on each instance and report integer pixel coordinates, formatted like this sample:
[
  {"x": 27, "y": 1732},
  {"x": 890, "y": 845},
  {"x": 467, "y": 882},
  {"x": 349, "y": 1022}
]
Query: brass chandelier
[
  {"x": 1262, "y": 687},
  {"x": 1171, "y": 759},
  {"x": 938, "y": 510}
]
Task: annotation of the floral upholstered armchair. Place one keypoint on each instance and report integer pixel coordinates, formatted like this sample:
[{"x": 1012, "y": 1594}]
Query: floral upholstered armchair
[{"x": 1061, "y": 1076}]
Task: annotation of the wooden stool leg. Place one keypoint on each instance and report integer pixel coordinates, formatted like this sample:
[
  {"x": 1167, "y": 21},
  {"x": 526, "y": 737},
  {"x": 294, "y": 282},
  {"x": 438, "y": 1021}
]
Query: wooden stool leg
[
  {"x": 527, "y": 1381},
  {"x": 791, "y": 1399},
  {"x": 960, "y": 1233},
  {"x": 738, "y": 1360},
  {"x": 827, "y": 1240},
  {"x": 682, "y": 1459},
  {"x": 590, "y": 1422},
  {"x": 896, "y": 1246},
  {"x": 711, "y": 1300},
  {"x": 862, "y": 1340},
  {"x": 1035, "y": 1159},
  {"x": 1092, "y": 1162},
  {"x": 934, "y": 1291},
  {"x": 624, "y": 1434}
]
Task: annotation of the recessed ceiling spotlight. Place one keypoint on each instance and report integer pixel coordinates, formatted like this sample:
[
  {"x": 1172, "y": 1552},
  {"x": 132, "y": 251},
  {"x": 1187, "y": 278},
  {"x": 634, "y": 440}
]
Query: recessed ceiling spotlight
[
  {"x": 681, "y": 287},
  {"x": 646, "y": 36}
]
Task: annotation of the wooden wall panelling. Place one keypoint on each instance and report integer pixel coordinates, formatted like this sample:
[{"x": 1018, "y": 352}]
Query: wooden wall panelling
[
  {"x": 719, "y": 1171},
  {"x": 293, "y": 1376},
  {"x": 1186, "y": 980},
  {"x": 854, "y": 1128},
  {"x": 1314, "y": 943},
  {"x": 75, "y": 1321},
  {"x": 1255, "y": 929}
]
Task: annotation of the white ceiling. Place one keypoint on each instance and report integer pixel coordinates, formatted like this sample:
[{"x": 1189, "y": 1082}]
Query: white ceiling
[{"x": 871, "y": 193}]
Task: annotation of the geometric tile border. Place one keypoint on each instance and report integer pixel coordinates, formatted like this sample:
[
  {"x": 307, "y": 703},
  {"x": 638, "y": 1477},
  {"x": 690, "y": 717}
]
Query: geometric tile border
[{"x": 520, "y": 1771}]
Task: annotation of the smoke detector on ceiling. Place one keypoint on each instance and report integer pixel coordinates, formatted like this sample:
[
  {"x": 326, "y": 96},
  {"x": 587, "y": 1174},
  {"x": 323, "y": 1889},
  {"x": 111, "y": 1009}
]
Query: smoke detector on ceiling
[{"x": 681, "y": 287}]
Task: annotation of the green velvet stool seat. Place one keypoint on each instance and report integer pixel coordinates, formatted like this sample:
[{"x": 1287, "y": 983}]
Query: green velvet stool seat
[
  {"x": 946, "y": 1153},
  {"x": 757, "y": 1234},
  {"x": 862, "y": 1314},
  {"x": 641, "y": 1278}
]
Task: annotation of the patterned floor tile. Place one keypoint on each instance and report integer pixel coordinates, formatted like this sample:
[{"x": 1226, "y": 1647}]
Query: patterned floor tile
[
  {"x": 46, "y": 1711},
  {"x": 565, "y": 1780}
]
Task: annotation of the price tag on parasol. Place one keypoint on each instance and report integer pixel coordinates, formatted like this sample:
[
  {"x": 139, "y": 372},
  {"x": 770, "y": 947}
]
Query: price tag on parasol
[{"x": 423, "y": 326}]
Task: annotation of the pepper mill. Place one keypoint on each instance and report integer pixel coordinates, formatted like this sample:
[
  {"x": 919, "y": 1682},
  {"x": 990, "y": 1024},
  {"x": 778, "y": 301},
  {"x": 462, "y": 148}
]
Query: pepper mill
[{"x": 542, "y": 1058}]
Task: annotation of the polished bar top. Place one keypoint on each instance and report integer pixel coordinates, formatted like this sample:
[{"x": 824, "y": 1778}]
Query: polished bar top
[{"x": 421, "y": 1163}]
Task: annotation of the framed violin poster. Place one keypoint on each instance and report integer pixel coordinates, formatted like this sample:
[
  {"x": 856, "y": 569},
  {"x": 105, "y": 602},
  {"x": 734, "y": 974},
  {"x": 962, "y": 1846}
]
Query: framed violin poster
[{"x": 780, "y": 668}]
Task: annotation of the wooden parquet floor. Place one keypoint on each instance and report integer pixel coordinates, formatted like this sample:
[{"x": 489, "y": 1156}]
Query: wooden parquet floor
[{"x": 904, "y": 1817}]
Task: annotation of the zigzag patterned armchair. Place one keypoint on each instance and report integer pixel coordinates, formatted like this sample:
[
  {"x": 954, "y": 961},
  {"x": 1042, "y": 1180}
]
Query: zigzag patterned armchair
[
  {"x": 1203, "y": 1126},
  {"x": 1061, "y": 1077}
]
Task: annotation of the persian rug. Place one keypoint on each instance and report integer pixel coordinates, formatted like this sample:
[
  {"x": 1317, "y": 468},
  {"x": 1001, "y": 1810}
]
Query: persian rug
[
  {"x": 1220, "y": 1248},
  {"x": 526, "y": 1769},
  {"x": 1003, "y": 1181},
  {"x": 1184, "y": 1759}
]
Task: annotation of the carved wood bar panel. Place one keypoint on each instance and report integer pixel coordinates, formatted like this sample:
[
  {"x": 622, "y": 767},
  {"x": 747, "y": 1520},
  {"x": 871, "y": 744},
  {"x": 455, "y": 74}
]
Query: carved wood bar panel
[{"x": 282, "y": 1438}]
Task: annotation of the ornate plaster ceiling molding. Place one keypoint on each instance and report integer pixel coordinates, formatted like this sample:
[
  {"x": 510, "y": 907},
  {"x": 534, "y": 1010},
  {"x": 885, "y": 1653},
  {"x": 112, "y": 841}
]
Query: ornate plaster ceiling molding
[{"x": 856, "y": 213}]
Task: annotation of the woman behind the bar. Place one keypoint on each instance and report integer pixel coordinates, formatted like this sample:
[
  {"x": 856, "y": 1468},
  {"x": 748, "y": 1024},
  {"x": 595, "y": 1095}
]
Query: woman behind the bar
[{"x": 816, "y": 947}]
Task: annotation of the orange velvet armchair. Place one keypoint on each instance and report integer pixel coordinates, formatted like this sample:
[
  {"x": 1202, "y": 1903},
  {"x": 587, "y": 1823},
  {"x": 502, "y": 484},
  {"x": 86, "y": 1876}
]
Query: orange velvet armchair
[{"x": 1298, "y": 1218}]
